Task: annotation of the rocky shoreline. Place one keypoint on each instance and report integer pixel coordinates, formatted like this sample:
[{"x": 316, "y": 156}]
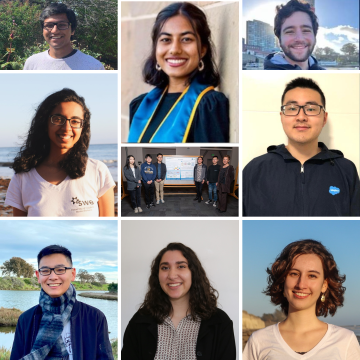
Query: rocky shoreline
[
  {"x": 103, "y": 296},
  {"x": 7, "y": 210}
]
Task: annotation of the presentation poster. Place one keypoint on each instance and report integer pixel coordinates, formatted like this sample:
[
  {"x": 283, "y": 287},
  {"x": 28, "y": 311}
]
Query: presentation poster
[{"x": 180, "y": 170}]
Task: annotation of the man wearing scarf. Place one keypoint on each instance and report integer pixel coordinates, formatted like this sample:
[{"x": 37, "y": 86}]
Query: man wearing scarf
[{"x": 60, "y": 327}]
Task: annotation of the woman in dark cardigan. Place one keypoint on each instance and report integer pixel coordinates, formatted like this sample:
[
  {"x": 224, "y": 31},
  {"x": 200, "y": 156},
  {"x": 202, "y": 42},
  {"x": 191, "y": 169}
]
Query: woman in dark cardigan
[
  {"x": 133, "y": 177},
  {"x": 226, "y": 177}
]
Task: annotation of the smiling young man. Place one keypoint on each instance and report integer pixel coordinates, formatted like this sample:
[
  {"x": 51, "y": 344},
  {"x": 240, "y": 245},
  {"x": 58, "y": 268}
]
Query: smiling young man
[
  {"x": 60, "y": 327},
  {"x": 59, "y": 23},
  {"x": 296, "y": 27},
  {"x": 303, "y": 178}
]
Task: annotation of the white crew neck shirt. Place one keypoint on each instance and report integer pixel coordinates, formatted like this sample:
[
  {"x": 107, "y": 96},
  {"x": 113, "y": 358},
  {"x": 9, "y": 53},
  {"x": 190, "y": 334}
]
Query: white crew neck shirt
[
  {"x": 78, "y": 61},
  {"x": 66, "y": 336},
  {"x": 337, "y": 344},
  {"x": 29, "y": 192}
]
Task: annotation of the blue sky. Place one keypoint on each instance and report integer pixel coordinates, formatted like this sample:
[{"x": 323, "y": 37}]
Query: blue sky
[
  {"x": 20, "y": 94},
  {"x": 264, "y": 240},
  {"x": 93, "y": 244},
  {"x": 333, "y": 16}
]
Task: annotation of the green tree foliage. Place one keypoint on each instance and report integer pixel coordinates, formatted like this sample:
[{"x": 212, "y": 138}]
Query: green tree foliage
[
  {"x": 100, "y": 278},
  {"x": 349, "y": 49},
  {"x": 18, "y": 267},
  {"x": 113, "y": 287}
]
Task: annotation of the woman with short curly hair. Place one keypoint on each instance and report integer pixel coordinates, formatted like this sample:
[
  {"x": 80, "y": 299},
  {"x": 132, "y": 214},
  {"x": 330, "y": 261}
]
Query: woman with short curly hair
[
  {"x": 179, "y": 318},
  {"x": 53, "y": 174},
  {"x": 305, "y": 281}
]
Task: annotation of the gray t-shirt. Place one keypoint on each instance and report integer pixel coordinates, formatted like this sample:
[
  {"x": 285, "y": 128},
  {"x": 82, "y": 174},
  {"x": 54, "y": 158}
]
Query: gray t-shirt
[{"x": 78, "y": 61}]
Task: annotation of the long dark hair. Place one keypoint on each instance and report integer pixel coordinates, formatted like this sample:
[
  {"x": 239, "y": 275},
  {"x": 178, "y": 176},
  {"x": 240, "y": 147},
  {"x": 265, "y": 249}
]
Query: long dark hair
[
  {"x": 197, "y": 18},
  {"x": 334, "y": 295},
  {"x": 127, "y": 165},
  {"x": 203, "y": 297},
  {"x": 36, "y": 147}
]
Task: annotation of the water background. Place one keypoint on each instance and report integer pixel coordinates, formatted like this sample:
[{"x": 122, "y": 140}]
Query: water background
[
  {"x": 107, "y": 153},
  {"x": 24, "y": 300}
]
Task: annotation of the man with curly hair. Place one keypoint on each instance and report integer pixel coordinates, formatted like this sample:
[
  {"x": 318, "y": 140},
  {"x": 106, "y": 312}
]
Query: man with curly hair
[
  {"x": 58, "y": 23},
  {"x": 295, "y": 26}
]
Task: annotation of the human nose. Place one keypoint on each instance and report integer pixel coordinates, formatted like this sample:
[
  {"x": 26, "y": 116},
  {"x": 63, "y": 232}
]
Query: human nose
[
  {"x": 299, "y": 35},
  {"x": 175, "y": 47},
  {"x": 172, "y": 274},
  {"x": 55, "y": 28},
  {"x": 67, "y": 124},
  {"x": 302, "y": 115},
  {"x": 52, "y": 274},
  {"x": 301, "y": 283}
]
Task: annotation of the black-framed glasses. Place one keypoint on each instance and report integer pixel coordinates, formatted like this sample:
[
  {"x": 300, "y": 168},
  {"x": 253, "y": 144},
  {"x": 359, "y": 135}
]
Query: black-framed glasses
[
  {"x": 61, "y": 270},
  {"x": 309, "y": 109},
  {"x": 62, "y": 25},
  {"x": 60, "y": 120}
]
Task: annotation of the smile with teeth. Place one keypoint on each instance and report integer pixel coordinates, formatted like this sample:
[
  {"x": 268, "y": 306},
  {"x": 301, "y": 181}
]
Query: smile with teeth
[
  {"x": 64, "y": 137},
  {"x": 176, "y": 61},
  {"x": 54, "y": 285},
  {"x": 174, "y": 285},
  {"x": 300, "y": 294}
]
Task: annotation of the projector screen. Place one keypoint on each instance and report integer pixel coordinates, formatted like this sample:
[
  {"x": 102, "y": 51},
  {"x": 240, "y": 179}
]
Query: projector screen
[{"x": 179, "y": 169}]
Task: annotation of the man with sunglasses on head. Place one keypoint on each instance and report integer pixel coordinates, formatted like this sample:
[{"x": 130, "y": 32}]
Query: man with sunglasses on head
[
  {"x": 304, "y": 177},
  {"x": 59, "y": 23},
  {"x": 60, "y": 327}
]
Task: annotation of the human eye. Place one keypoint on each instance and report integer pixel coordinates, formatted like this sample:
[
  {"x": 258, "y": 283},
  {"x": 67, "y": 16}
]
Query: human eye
[
  {"x": 164, "y": 40},
  {"x": 293, "y": 273},
  {"x": 187, "y": 39},
  {"x": 312, "y": 276},
  {"x": 291, "y": 107},
  {"x": 60, "y": 270},
  {"x": 57, "y": 119},
  {"x": 44, "y": 271},
  {"x": 164, "y": 268},
  {"x": 75, "y": 122},
  {"x": 48, "y": 25},
  {"x": 289, "y": 32}
]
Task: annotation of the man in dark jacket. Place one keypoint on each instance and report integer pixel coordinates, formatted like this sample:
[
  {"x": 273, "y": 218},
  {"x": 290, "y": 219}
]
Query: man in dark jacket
[
  {"x": 295, "y": 26},
  {"x": 148, "y": 173},
  {"x": 212, "y": 179},
  {"x": 160, "y": 178},
  {"x": 60, "y": 326},
  {"x": 303, "y": 178}
]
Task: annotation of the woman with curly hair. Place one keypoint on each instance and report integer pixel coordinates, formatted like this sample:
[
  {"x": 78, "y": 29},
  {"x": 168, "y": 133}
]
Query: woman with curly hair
[
  {"x": 53, "y": 174},
  {"x": 183, "y": 106},
  {"x": 305, "y": 281},
  {"x": 179, "y": 318}
]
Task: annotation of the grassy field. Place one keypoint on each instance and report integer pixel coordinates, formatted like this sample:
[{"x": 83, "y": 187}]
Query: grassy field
[
  {"x": 5, "y": 354},
  {"x": 13, "y": 283},
  {"x": 9, "y": 317}
]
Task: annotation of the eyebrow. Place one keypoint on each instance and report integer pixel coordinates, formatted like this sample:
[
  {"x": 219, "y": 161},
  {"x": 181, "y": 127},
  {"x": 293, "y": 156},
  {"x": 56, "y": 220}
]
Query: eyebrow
[
  {"x": 307, "y": 103},
  {"x": 182, "y": 34},
  {"x": 301, "y": 26},
  {"x": 315, "y": 271},
  {"x": 177, "y": 262},
  {"x": 48, "y": 267},
  {"x": 73, "y": 117}
]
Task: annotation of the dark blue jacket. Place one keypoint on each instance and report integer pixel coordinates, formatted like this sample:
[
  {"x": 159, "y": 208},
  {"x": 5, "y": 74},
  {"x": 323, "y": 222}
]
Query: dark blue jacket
[
  {"x": 275, "y": 184},
  {"x": 275, "y": 62},
  {"x": 148, "y": 172},
  {"x": 163, "y": 171},
  {"x": 89, "y": 333}
]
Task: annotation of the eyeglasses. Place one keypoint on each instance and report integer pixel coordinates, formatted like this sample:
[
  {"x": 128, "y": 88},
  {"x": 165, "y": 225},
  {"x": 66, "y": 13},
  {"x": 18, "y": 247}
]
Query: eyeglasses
[
  {"x": 309, "y": 110},
  {"x": 57, "y": 270},
  {"x": 61, "y": 120},
  {"x": 60, "y": 25}
]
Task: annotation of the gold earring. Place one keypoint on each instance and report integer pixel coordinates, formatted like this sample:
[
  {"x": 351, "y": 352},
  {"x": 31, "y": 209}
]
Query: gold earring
[{"x": 322, "y": 298}]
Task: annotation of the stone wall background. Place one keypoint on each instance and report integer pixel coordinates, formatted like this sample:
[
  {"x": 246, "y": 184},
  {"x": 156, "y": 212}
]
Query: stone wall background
[{"x": 137, "y": 18}]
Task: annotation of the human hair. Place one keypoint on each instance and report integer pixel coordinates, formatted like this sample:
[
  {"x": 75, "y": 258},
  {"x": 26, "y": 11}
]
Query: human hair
[
  {"x": 200, "y": 157},
  {"x": 203, "y": 297},
  {"x": 36, "y": 147},
  {"x": 159, "y": 154},
  {"x": 55, "y": 249},
  {"x": 197, "y": 18},
  {"x": 58, "y": 8},
  {"x": 148, "y": 155},
  {"x": 303, "y": 83},
  {"x": 285, "y": 11},
  {"x": 127, "y": 165},
  {"x": 334, "y": 295},
  {"x": 227, "y": 156},
  {"x": 215, "y": 156}
]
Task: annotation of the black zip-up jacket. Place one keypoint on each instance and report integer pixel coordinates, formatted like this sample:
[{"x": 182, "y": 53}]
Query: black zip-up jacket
[
  {"x": 215, "y": 340},
  {"x": 212, "y": 174},
  {"x": 163, "y": 171},
  {"x": 89, "y": 333},
  {"x": 276, "y": 184},
  {"x": 269, "y": 64}
]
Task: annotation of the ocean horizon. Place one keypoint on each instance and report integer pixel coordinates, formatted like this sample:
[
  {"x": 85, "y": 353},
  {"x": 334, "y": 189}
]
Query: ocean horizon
[{"x": 107, "y": 153}]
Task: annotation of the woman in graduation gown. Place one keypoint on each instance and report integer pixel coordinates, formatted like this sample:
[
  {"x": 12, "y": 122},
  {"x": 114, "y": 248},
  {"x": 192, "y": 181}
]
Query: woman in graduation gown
[{"x": 183, "y": 106}]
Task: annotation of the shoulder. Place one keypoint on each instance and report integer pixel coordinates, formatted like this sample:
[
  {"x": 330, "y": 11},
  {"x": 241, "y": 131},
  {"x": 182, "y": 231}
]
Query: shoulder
[
  {"x": 96, "y": 165},
  {"x": 140, "y": 318},
  {"x": 29, "y": 314},
  {"x": 260, "y": 160},
  {"x": 34, "y": 58},
  {"x": 213, "y": 99},
  {"x": 219, "y": 316},
  {"x": 264, "y": 335},
  {"x": 137, "y": 101},
  {"x": 89, "y": 311},
  {"x": 339, "y": 333},
  {"x": 88, "y": 62}
]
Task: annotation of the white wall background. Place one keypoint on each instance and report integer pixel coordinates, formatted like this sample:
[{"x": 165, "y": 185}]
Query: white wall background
[
  {"x": 261, "y": 123},
  {"x": 215, "y": 243}
]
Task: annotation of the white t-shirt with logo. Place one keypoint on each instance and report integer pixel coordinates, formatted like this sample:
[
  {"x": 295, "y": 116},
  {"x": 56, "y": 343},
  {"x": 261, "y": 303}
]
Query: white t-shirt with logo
[
  {"x": 337, "y": 344},
  {"x": 66, "y": 336},
  {"x": 29, "y": 192}
]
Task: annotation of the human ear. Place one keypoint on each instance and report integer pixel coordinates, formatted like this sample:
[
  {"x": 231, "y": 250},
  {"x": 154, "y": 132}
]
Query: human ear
[{"x": 325, "y": 286}]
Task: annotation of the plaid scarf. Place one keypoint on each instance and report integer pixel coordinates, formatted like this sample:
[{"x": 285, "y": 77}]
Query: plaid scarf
[{"x": 49, "y": 344}]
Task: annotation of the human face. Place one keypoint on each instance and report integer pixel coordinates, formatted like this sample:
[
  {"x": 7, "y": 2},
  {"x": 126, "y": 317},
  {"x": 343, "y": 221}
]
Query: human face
[
  {"x": 175, "y": 275},
  {"x": 65, "y": 137},
  {"x": 200, "y": 160},
  {"x": 297, "y": 38},
  {"x": 55, "y": 285},
  {"x": 58, "y": 39},
  {"x": 215, "y": 160},
  {"x": 131, "y": 160},
  {"x": 159, "y": 158},
  {"x": 303, "y": 129},
  {"x": 225, "y": 160},
  {"x": 304, "y": 283},
  {"x": 148, "y": 160},
  {"x": 178, "y": 49}
]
